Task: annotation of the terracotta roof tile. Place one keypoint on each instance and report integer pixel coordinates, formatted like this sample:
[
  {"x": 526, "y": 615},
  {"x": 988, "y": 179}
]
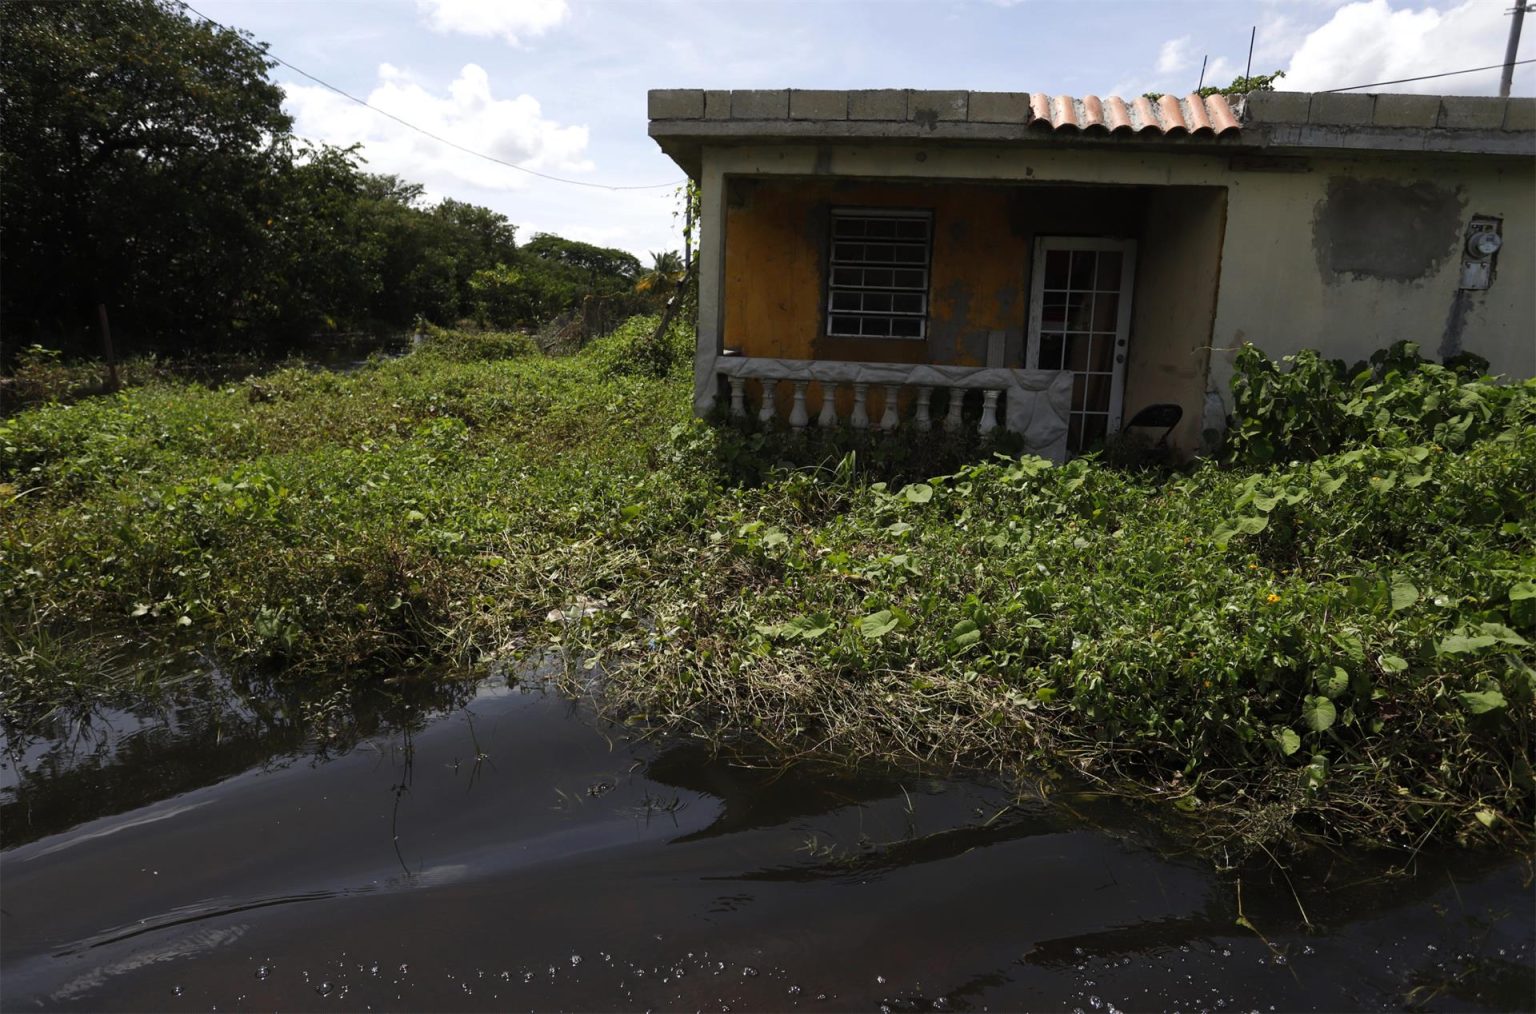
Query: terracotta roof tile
[{"x": 1167, "y": 115}]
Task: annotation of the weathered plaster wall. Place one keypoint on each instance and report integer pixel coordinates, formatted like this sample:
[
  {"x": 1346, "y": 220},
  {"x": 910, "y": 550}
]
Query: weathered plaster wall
[
  {"x": 1179, "y": 264},
  {"x": 1357, "y": 254},
  {"x": 775, "y": 263},
  {"x": 1276, "y": 289}
]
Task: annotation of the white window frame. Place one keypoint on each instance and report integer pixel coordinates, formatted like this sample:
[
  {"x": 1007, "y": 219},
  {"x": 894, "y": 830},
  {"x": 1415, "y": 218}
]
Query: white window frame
[
  {"x": 1126, "y": 247},
  {"x": 926, "y": 267}
]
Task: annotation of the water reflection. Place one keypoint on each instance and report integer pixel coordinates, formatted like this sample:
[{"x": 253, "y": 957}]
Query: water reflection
[
  {"x": 483, "y": 847},
  {"x": 104, "y": 761}
]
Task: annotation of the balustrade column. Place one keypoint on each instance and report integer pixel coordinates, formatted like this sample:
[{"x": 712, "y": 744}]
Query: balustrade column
[
  {"x": 922, "y": 421},
  {"x": 988, "y": 412},
  {"x": 797, "y": 414},
  {"x": 738, "y": 397},
  {"x": 888, "y": 418},
  {"x": 770, "y": 410},
  {"x": 956, "y": 402},
  {"x": 859, "y": 420},
  {"x": 828, "y": 417}
]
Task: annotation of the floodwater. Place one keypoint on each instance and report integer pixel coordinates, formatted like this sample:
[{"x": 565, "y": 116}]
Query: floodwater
[{"x": 498, "y": 848}]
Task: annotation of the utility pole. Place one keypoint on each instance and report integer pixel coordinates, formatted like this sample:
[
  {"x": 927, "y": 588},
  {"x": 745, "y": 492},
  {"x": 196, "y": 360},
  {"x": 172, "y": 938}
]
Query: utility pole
[{"x": 1513, "y": 49}]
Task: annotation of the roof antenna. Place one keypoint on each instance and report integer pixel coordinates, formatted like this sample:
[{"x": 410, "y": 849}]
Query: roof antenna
[
  {"x": 1202, "y": 72},
  {"x": 1248, "y": 71}
]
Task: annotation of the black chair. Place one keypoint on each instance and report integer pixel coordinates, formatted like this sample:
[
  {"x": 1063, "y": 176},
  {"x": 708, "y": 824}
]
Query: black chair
[{"x": 1155, "y": 416}]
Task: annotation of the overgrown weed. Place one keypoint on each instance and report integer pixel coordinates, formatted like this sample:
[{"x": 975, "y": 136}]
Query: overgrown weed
[{"x": 1334, "y": 646}]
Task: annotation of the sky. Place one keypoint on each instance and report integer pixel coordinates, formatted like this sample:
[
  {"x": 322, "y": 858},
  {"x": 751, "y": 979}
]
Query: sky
[{"x": 559, "y": 86}]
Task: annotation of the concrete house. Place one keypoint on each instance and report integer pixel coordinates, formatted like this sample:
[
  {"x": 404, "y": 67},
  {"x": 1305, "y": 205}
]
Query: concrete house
[{"x": 1055, "y": 265}]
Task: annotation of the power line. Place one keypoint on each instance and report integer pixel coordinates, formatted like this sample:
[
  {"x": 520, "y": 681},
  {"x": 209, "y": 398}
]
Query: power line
[
  {"x": 428, "y": 133},
  {"x": 1426, "y": 77}
]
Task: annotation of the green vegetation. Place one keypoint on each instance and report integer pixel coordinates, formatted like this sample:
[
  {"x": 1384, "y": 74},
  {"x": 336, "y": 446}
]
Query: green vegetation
[
  {"x": 172, "y": 191},
  {"x": 1328, "y": 636}
]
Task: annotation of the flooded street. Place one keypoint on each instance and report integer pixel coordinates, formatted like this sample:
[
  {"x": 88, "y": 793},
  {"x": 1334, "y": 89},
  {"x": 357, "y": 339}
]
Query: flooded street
[{"x": 506, "y": 850}]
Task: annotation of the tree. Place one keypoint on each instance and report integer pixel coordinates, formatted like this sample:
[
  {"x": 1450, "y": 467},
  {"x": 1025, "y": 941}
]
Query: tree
[
  {"x": 605, "y": 269},
  {"x": 138, "y": 150},
  {"x": 666, "y": 271}
]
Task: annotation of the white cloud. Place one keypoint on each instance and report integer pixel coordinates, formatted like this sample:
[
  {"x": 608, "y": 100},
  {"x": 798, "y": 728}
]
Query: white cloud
[
  {"x": 512, "y": 129},
  {"x": 1371, "y": 41},
  {"x": 1173, "y": 56},
  {"x": 512, "y": 20}
]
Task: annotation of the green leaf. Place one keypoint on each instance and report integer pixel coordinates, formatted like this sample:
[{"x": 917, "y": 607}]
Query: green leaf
[
  {"x": 899, "y": 528},
  {"x": 774, "y": 538},
  {"x": 918, "y": 492},
  {"x": 1253, "y": 525},
  {"x": 1483, "y": 701},
  {"x": 1288, "y": 741},
  {"x": 809, "y": 628},
  {"x": 965, "y": 634},
  {"x": 1404, "y": 594},
  {"x": 1462, "y": 644},
  {"x": 1393, "y": 663},
  {"x": 1487, "y": 817},
  {"x": 1522, "y": 590},
  {"x": 1501, "y": 633},
  {"x": 1318, "y": 713},
  {"x": 1332, "y": 682},
  {"x": 877, "y": 625}
]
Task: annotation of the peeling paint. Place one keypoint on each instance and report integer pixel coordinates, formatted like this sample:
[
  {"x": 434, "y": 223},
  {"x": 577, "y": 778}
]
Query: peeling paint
[{"x": 1395, "y": 232}]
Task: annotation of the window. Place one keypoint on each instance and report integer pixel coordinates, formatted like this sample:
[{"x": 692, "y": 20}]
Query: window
[{"x": 878, "y": 285}]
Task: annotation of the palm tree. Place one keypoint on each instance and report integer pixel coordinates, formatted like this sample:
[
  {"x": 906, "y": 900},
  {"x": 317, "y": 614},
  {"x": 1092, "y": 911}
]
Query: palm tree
[{"x": 665, "y": 272}]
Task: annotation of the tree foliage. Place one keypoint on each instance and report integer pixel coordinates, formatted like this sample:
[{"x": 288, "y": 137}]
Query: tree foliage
[
  {"x": 147, "y": 165},
  {"x": 139, "y": 149}
]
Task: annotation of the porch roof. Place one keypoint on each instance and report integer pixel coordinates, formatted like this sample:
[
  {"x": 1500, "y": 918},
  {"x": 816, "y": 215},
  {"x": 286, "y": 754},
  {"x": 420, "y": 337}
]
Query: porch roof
[{"x": 684, "y": 120}]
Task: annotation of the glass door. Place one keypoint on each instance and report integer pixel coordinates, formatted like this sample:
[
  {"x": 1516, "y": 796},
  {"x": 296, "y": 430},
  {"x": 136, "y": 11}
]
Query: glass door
[{"x": 1080, "y": 320}]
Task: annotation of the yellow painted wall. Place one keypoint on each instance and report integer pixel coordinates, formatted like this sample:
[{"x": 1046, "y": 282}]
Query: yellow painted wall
[{"x": 775, "y": 263}]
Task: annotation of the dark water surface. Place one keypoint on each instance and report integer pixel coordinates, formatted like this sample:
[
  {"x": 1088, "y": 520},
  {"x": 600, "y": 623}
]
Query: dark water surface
[{"x": 505, "y": 850}]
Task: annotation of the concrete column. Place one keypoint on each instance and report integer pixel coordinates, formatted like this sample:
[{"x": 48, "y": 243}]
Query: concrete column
[{"x": 711, "y": 321}]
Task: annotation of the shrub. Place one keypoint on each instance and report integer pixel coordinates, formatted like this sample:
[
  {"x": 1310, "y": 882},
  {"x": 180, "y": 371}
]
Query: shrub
[
  {"x": 1318, "y": 406},
  {"x": 457, "y": 346},
  {"x": 634, "y": 349}
]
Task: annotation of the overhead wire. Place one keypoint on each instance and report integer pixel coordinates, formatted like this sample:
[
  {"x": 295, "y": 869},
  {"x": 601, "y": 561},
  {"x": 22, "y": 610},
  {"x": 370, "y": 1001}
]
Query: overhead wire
[
  {"x": 1426, "y": 77},
  {"x": 427, "y": 133}
]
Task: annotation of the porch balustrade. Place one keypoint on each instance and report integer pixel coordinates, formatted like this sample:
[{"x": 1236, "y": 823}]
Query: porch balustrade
[{"x": 1032, "y": 403}]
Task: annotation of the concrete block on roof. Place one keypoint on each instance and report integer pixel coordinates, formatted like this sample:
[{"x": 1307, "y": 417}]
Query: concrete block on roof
[
  {"x": 1406, "y": 110},
  {"x": 1520, "y": 114},
  {"x": 1341, "y": 109},
  {"x": 760, "y": 104},
  {"x": 809, "y": 104},
  {"x": 1472, "y": 112},
  {"x": 1276, "y": 107},
  {"x": 675, "y": 104},
  {"x": 717, "y": 104},
  {"x": 937, "y": 105},
  {"x": 998, "y": 107},
  {"x": 878, "y": 104}
]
